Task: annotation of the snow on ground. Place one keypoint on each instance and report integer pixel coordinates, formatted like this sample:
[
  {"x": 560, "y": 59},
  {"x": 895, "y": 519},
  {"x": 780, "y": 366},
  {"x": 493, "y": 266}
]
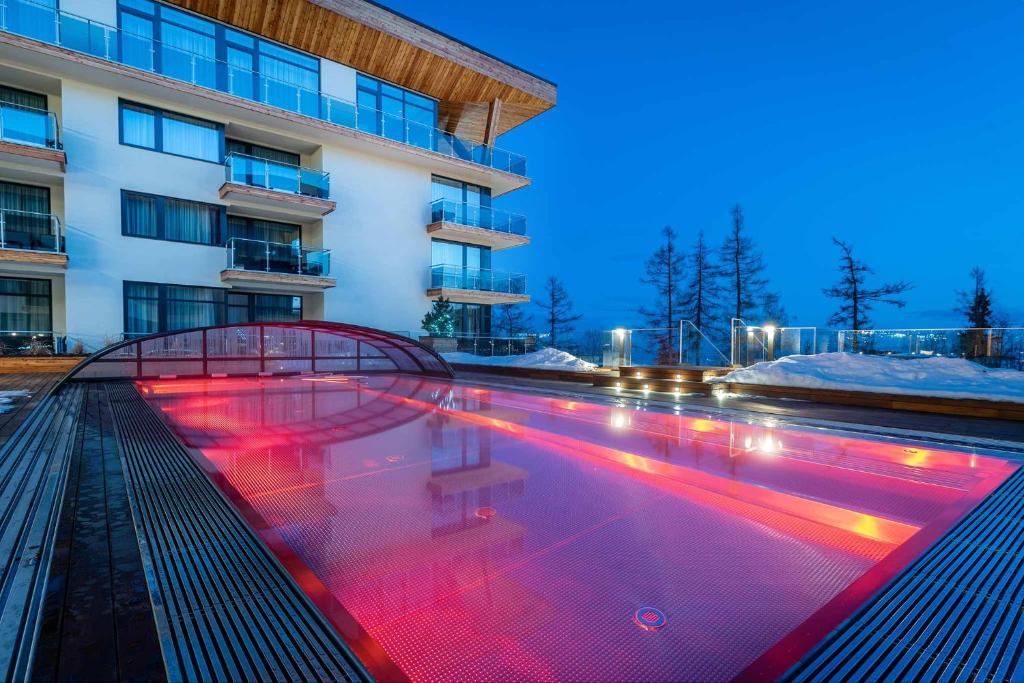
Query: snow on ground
[
  {"x": 937, "y": 376},
  {"x": 552, "y": 359},
  {"x": 7, "y": 399}
]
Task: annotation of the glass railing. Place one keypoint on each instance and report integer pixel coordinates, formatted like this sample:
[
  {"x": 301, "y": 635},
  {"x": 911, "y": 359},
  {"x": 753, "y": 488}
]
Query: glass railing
[
  {"x": 480, "y": 279},
  {"x": 47, "y": 24},
  {"x": 30, "y": 231},
  {"x": 274, "y": 175},
  {"x": 448, "y": 211},
  {"x": 276, "y": 257},
  {"x": 29, "y": 126}
]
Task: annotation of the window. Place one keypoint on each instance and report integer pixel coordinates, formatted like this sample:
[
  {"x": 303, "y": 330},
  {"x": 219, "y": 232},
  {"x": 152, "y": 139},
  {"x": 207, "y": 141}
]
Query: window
[
  {"x": 265, "y": 231},
  {"x": 462, "y": 255},
  {"x": 166, "y": 218},
  {"x": 26, "y": 218},
  {"x": 462, "y": 203},
  {"x": 25, "y": 305},
  {"x": 171, "y": 133},
  {"x": 197, "y": 50},
  {"x": 151, "y": 308},
  {"x": 395, "y": 113}
]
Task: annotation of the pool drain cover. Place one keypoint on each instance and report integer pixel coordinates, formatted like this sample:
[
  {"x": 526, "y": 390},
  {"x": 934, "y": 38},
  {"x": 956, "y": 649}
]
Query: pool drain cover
[
  {"x": 649, "y": 618},
  {"x": 485, "y": 512}
]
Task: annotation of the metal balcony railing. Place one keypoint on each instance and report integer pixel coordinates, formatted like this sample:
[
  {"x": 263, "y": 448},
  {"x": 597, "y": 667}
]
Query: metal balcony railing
[
  {"x": 275, "y": 257},
  {"x": 471, "y": 215},
  {"x": 274, "y": 175},
  {"x": 30, "y": 231},
  {"x": 29, "y": 126},
  {"x": 478, "y": 279},
  {"x": 45, "y": 23}
]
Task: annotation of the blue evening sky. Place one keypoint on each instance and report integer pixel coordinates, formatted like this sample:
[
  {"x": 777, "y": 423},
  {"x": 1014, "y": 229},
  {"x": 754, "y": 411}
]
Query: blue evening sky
[{"x": 898, "y": 126}]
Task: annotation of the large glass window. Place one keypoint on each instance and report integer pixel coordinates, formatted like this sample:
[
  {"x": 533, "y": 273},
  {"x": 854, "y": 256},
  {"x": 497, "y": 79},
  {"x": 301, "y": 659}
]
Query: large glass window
[
  {"x": 151, "y": 308},
  {"x": 459, "y": 202},
  {"x": 25, "y": 305},
  {"x": 25, "y": 212},
  {"x": 171, "y": 133},
  {"x": 197, "y": 50},
  {"x": 166, "y": 218},
  {"x": 266, "y": 231},
  {"x": 395, "y": 113},
  {"x": 457, "y": 254}
]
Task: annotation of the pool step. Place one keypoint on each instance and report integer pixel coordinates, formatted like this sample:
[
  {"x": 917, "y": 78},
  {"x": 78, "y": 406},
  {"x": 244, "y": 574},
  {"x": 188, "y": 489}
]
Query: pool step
[
  {"x": 226, "y": 609},
  {"x": 954, "y": 614},
  {"x": 33, "y": 473},
  {"x": 655, "y": 384}
]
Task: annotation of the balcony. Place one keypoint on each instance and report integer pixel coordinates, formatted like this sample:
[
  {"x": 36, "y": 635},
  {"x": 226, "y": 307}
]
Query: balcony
[
  {"x": 483, "y": 225},
  {"x": 274, "y": 189},
  {"x": 272, "y": 265},
  {"x": 144, "y": 55},
  {"x": 31, "y": 243},
  {"x": 477, "y": 285},
  {"x": 30, "y": 138}
]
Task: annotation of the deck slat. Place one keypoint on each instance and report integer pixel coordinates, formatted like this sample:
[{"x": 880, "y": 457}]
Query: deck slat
[
  {"x": 228, "y": 610},
  {"x": 955, "y": 614}
]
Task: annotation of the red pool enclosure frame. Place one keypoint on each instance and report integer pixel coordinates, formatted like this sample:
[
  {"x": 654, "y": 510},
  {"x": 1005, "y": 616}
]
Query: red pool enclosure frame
[{"x": 256, "y": 349}]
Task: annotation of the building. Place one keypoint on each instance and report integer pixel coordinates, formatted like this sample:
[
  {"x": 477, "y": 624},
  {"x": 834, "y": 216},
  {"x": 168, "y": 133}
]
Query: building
[{"x": 166, "y": 165}]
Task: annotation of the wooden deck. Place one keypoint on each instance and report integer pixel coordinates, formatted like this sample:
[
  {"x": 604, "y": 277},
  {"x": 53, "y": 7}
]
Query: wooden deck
[{"x": 36, "y": 384}]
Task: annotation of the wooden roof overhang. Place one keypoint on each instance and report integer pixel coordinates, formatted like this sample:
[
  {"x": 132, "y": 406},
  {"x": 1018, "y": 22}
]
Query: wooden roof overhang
[{"x": 480, "y": 96}]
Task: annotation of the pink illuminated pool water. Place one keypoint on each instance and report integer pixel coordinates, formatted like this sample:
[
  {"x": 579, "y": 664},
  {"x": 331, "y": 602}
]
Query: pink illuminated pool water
[{"x": 464, "y": 534}]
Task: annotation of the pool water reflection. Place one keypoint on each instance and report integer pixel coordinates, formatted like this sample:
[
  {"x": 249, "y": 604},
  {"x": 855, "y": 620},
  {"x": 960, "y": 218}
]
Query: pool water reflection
[{"x": 459, "y": 533}]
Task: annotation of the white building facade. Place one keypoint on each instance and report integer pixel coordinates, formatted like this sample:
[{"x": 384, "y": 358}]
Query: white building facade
[{"x": 162, "y": 169}]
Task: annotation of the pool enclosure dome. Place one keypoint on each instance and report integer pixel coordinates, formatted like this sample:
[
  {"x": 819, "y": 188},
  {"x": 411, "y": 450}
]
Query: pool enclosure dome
[{"x": 284, "y": 348}]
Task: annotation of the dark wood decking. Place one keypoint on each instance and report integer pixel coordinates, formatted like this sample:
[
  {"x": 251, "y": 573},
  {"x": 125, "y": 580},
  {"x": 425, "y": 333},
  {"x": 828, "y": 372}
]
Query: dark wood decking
[
  {"x": 36, "y": 384},
  {"x": 97, "y": 620}
]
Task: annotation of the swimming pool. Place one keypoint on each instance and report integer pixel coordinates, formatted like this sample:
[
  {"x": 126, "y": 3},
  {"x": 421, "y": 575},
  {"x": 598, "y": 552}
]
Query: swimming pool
[{"x": 459, "y": 533}]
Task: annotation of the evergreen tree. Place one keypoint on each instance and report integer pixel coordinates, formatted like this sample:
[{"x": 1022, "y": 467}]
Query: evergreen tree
[
  {"x": 440, "y": 320},
  {"x": 774, "y": 312},
  {"x": 664, "y": 272},
  {"x": 512, "y": 320},
  {"x": 976, "y": 306},
  {"x": 701, "y": 300},
  {"x": 742, "y": 268},
  {"x": 857, "y": 299},
  {"x": 558, "y": 311}
]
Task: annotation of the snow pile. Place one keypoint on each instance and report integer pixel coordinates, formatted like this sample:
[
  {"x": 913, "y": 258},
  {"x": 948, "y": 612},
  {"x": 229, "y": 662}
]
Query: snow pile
[
  {"x": 7, "y": 399},
  {"x": 552, "y": 359},
  {"x": 937, "y": 376}
]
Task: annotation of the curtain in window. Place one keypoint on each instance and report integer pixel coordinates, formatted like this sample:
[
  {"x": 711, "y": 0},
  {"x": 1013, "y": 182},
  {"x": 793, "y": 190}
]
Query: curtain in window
[
  {"x": 137, "y": 41},
  {"x": 35, "y": 19},
  {"x": 138, "y": 126},
  {"x": 142, "y": 309},
  {"x": 190, "y": 137},
  {"x": 26, "y": 216},
  {"x": 268, "y": 231},
  {"x": 287, "y": 85},
  {"x": 25, "y": 305},
  {"x": 140, "y": 215},
  {"x": 188, "y": 48},
  {"x": 189, "y": 221},
  {"x": 192, "y": 306},
  {"x": 276, "y": 308},
  {"x": 25, "y": 118}
]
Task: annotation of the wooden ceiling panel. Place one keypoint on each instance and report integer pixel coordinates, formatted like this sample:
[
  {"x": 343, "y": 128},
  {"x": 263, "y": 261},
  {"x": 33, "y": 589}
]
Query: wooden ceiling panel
[{"x": 376, "y": 41}]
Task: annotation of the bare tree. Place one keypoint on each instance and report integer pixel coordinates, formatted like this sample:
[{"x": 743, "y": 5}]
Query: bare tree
[
  {"x": 512, "y": 320},
  {"x": 664, "y": 272},
  {"x": 857, "y": 299},
  {"x": 558, "y": 311},
  {"x": 742, "y": 268}
]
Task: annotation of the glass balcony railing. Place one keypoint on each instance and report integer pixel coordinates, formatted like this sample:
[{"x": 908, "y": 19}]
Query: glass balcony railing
[
  {"x": 30, "y": 231},
  {"x": 274, "y": 175},
  {"x": 477, "y": 216},
  {"x": 43, "y": 22},
  {"x": 275, "y": 257},
  {"x": 478, "y": 279},
  {"x": 29, "y": 126}
]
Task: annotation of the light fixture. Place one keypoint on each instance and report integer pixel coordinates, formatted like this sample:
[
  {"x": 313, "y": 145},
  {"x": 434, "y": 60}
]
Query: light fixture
[{"x": 769, "y": 330}]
